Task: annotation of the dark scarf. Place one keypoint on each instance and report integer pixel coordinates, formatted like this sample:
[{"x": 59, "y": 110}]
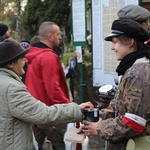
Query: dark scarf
[{"x": 128, "y": 61}]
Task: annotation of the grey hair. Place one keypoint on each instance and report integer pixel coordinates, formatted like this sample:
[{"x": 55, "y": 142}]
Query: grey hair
[{"x": 46, "y": 28}]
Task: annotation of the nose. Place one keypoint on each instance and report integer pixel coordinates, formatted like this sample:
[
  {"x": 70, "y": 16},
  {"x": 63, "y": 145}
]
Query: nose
[
  {"x": 112, "y": 47},
  {"x": 60, "y": 37}
]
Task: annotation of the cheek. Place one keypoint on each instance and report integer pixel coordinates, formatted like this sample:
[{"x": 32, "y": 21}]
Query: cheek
[
  {"x": 21, "y": 70},
  {"x": 123, "y": 53},
  {"x": 21, "y": 65}
]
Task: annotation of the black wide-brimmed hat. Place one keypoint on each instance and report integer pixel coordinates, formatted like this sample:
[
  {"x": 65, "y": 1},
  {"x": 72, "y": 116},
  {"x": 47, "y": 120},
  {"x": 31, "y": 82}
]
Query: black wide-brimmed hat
[
  {"x": 11, "y": 50},
  {"x": 129, "y": 28}
]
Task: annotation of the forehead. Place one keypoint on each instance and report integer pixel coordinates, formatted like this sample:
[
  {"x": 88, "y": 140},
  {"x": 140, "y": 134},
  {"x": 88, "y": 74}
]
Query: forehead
[
  {"x": 55, "y": 28},
  {"x": 114, "y": 38}
]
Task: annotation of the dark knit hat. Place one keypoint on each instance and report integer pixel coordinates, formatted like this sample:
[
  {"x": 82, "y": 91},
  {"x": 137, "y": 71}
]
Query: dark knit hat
[
  {"x": 11, "y": 50},
  {"x": 3, "y": 29},
  {"x": 129, "y": 28},
  {"x": 134, "y": 12},
  {"x": 25, "y": 45}
]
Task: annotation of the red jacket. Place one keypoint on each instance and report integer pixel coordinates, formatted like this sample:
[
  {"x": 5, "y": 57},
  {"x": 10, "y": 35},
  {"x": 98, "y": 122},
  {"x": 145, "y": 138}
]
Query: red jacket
[{"x": 45, "y": 77}]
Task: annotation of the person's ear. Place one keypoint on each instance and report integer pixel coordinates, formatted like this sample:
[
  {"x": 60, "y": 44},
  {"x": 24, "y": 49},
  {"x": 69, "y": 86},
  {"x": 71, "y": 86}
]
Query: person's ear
[
  {"x": 144, "y": 25},
  {"x": 50, "y": 36},
  {"x": 132, "y": 43},
  {"x": 10, "y": 65}
]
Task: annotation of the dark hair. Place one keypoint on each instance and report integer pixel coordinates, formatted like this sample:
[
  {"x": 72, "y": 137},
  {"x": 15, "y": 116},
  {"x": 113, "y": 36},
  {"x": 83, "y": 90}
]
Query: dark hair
[
  {"x": 34, "y": 40},
  {"x": 4, "y": 65},
  {"x": 139, "y": 45}
]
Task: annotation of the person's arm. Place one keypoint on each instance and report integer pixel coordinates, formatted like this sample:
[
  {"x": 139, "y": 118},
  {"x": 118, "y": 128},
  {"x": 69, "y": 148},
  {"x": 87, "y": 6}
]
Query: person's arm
[
  {"x": 26, "y": 108},
  {"x": 129, "y": 98}
]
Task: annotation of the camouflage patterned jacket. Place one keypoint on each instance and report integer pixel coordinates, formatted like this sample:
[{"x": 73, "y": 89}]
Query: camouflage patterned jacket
[{"x": 133, "y": 96}]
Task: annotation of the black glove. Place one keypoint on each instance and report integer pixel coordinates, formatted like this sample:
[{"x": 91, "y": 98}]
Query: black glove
[{"x": 105, "y": 99}]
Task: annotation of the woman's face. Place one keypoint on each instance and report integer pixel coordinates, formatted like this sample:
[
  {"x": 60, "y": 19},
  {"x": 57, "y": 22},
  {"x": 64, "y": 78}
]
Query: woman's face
[
  {"x": 122, "y": 48},
  {"x": 17, "y": 66}
]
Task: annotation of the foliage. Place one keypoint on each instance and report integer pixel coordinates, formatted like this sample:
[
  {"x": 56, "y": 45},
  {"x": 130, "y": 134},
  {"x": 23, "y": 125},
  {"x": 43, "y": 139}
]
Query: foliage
[
  {"x": 32, "y": 16},
  {"x": 65, "y": 58},
  {"x": 6, "y": 5},
  {"x": 7, "y": 10},
  {"x": 37, "y": 11},
  {"x": 91, "y": 93}
]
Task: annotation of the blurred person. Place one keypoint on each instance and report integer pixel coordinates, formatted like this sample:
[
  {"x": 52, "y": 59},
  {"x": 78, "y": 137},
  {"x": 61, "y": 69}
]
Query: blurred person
[
  {"x": 46, "y": 81},
  {"x": 26, "y": 45},
  {"x": 19, "y": 109},
  {"x": 89, "y": 40},
  {"x": 71, "y": 75},
  {"x": 26, "y": 40},
  {"x": 138, "y": 14},
  {"x": 4, "y": 32},
  {"x": 127, "y": 117},
  {"x": 34, "y": 39}
]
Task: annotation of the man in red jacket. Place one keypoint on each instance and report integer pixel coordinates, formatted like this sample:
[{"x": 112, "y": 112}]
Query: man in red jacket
[{"x": 45, "y": 79}]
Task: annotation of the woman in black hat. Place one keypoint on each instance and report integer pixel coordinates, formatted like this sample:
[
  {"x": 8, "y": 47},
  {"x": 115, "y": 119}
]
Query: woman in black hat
[
  {"x": 19, "y": 109},
  {"x": 125, "y": 122}
]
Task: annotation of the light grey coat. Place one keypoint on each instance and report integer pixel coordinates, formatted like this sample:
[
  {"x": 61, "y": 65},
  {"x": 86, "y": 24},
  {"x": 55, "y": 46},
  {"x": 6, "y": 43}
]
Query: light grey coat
[{"x": 19, "y": 111}]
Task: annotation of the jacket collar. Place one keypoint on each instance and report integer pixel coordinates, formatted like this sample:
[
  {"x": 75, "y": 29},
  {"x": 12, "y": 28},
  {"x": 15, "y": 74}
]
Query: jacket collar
[
  {"x": 142, "y": 60},
  {"x": 10, "y": 73}
]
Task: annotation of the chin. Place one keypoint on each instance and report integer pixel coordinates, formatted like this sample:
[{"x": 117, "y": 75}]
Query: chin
[
  {"x": 22, "y": 73},
  {"x": 118, "y": 58}
]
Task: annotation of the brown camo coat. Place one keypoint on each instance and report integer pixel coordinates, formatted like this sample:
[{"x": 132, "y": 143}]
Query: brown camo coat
[{"x": 133, "y": 96}]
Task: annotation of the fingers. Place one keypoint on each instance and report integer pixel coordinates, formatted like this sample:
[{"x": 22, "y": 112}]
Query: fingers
[
  {"x": 88, "y": 128},
  {"x": 86, "y": 105},
  {"x": 91, "y": 106},
  {"x": 88, "y": 131},
  {"x": 80, "y": 130}
]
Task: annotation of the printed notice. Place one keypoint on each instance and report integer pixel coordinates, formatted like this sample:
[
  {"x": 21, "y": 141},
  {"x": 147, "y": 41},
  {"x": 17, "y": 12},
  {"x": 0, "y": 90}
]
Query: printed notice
[
  {"x": 78, "y": 14},
  {"x": 104, "y": 12}
]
